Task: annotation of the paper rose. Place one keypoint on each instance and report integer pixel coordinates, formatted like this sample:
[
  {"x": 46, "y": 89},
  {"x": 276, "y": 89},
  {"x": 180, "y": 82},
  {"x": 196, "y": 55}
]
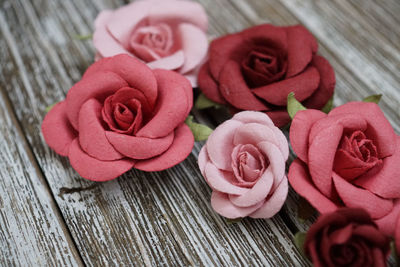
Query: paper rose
[
  {"x": 347, "y": 237},
  {"x": 243, "y": 161},
  {"x": 122, "y": 115},
  {"x": 349, "y": 157},
  {"x": 257, "y": 68},
  {"x": 165, "y": 34}
]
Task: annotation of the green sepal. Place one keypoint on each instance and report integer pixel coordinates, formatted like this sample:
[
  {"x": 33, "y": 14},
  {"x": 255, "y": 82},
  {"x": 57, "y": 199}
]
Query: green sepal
[
  {"x": 200, "y": 131},
  {"x": 83, "y": 37},
  {"x": 202, "y": 102},
  {"x": 299, "y": 240},
  {"x": 328, "y": 106},
  {"x": 373, "y": 98},
  {"x": 293, "y": 105},
  {"x": 50, "y": 107}
]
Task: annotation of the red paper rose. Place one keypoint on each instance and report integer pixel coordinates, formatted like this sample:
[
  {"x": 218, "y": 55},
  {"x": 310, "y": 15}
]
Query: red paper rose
[
  {"x": 122, "y": 115},
  {"x": 349, "y": 157},
  {"x": 257, "y": 68},
  {"x": 347, "y": 237}
]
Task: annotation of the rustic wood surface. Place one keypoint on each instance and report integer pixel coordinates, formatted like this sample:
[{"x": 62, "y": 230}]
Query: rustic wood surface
[{"x": 50, "y": 216}]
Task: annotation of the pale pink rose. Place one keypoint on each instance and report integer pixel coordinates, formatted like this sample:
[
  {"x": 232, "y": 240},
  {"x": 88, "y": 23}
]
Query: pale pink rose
[
  {"x": 243, "y": 161},
  {"x": 165, "y": 34}
]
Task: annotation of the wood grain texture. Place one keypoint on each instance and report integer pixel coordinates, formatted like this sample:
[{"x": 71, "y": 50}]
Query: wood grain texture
[
  {"x": 32, "y": 231},
  {"x": 165, "y": 218}
]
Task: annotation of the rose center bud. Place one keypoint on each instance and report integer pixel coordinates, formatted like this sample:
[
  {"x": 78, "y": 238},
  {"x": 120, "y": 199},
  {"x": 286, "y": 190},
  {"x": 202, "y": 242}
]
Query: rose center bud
[
  {"x": 344, "y": 254},
  {"x": 248, "y": 164},
  {"x": 152, "y": 42},
  {"x": 263, "y": 66},
  {"x": 123, "y": 111},
  {"x": 356, "y": 155}
]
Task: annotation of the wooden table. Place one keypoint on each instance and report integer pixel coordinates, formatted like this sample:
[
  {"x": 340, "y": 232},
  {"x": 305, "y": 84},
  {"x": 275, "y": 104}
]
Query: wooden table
[{"x": 50, "y": 216}]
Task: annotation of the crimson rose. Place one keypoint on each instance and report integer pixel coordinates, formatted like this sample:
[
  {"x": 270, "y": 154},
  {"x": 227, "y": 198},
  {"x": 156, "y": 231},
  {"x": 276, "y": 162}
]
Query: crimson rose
[
  {"x": 350, "y": 158},
  {"x": 347, "y": 237},
  {"x": 257, "y": 68},
  {"x": 121, "y": 115}
]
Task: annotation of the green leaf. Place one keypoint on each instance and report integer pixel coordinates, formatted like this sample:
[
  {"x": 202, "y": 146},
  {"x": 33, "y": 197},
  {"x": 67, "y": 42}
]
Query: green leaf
[
  {"x": 299, "y": 239},
  {"x": 50, "y": 107},
  {"x": 83, "y": 37},
  {"x": 328, "y": 106},
  {"x": 200, "y": 131},
  {"x": 373, "y": 98},
  {"x": 293, "y": 105},
  {"x": 232, "y": 221},
  {"x": 203, "y": 102}
]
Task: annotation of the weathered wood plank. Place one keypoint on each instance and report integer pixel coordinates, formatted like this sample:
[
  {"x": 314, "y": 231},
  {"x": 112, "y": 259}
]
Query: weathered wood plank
[
  {"x": 141, "y": 218},
  {"x": 32, "y": 231}
]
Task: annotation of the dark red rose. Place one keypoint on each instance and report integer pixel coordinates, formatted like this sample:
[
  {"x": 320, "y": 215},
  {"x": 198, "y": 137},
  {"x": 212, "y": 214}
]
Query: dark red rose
[
  {"x": 257, "y": 68},
  {"x": 346, "y": 237}
]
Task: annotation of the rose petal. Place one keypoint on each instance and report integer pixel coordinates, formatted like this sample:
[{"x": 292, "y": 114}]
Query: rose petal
[
  {"x": 176, "y": 12},
  {"x": 234, "y": 89},
  {"x": 208, "y": 85},
  {"x": 56, "y": 129},
  {"x": 300, "y": 130},
  {"x": 194, "y": 45},
  {"x": 258, "y": 193},
  {"x": 124, "y": 19},
  {"x": 379, "y": 129},
  {"x": 387, "y": 223},
  {"x": 103, "y": 41},
  {"x": 203, "y": 159},
  {"x": 222, "y": 205},
  {"x": 92, "y": 138},
  {"x": 94, "y": 169},
  {"x": 254, "y": 133},
  {"x": 220, "y": 144},
  {"x": 303, "y": 85},
  {"x": 379, "y": 259},
  {"x": 131, "y": 70},
  {"x": 224, "y": 49},
  {"x": 97, "y": 86},
  {"x": 222, "y": 180},
  {"x": 321, "y": 155},
  {"x": 174, "y": 94},
  {"x": 273, "y": 204},
  {"x": 177, "y": 152},
  {"x": 280, "y": 117},
  {"x": 171, "y": 62},
  {"x": 266, "y": 35},
  {"x": 371, "y": 234},
  {"x": 355, "y": 197},
  {"x": 326, "y": 85},
  {"x": 300, "y": 49},
  {"x": 139, "y": 147},
  {"x": 276, "y": 161},
  {"x": 302, "y": 184},
  {"x": 253, "y": 116}
]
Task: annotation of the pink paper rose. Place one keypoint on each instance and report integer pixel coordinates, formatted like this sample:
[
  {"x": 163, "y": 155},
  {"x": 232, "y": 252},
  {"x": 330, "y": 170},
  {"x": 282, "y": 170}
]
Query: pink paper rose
[
  {"x": 122, "y": 115},
  {"x": 349, "y": 157},
  {"x": 243, "y": 161},
  {"x": 168, "y": 34}
]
